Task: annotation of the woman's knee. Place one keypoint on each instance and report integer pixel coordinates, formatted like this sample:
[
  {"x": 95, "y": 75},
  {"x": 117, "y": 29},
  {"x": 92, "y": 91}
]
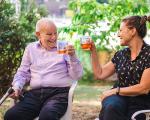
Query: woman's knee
[
  {"x": 111, "y": 108},
  {"x": 115, "y": 104}
]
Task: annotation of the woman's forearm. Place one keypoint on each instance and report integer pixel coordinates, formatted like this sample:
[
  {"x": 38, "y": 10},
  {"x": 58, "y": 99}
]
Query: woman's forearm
[
  {"x": 99, "y": 71},
  {"x": 133, "y": 90},
  {"x": 95, "y": 64}
]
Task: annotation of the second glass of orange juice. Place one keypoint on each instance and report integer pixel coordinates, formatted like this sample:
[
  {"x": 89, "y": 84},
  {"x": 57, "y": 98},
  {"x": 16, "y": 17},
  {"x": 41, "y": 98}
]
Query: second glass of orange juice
[{"x": 85, "y": 42}]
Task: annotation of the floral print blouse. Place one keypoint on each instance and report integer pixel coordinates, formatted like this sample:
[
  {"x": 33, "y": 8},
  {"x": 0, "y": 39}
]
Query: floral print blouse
[{"x": 130, "y": 72}]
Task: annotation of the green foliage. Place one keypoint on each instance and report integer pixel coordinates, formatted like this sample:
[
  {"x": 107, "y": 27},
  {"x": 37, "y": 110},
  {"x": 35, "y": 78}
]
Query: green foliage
[
  {"x": 15, "y": 33},
  {"x": 88, "y": 14},
  {"x": 42, "y": 10}
]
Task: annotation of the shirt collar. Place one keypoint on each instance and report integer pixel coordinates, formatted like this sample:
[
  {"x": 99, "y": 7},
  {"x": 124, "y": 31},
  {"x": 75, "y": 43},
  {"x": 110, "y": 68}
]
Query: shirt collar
[
  {"x": 128, "y": 53},
  {"x": 38, "y": 44}
]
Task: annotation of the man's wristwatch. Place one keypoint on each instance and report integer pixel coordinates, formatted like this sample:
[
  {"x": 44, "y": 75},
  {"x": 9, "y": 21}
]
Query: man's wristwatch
[{"x": 118, "y": 90}]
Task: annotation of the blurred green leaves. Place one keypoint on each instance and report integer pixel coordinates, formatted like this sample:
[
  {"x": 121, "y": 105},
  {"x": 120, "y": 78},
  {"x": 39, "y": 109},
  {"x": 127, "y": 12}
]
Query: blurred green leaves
[
  {"x": 15, "y": 33},
  {"x": 88, "y": 14}
]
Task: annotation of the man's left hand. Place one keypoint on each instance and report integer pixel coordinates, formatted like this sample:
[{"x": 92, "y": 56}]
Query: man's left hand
[{"x": 70, "y": 50}]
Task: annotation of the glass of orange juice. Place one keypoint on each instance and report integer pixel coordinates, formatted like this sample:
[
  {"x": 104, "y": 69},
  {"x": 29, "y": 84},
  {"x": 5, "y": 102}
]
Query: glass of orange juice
[
  {"x": 61, "y": 47},
  {"x": 85, "y": 42}
]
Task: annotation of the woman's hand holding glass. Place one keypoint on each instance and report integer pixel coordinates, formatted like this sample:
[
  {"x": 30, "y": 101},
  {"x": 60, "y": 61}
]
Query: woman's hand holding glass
[{"x": 87, "y": 43}]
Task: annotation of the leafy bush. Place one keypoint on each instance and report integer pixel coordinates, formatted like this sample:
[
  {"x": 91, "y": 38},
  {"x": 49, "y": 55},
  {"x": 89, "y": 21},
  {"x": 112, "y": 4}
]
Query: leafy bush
[{"x": 15, "y": 33}]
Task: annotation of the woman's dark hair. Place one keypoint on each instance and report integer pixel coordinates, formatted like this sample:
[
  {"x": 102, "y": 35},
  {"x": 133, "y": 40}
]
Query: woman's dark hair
[{"x": 138, "y": 22}]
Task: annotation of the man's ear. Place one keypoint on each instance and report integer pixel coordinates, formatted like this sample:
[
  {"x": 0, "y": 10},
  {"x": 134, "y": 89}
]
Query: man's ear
[{"x": 37, "y": 34}]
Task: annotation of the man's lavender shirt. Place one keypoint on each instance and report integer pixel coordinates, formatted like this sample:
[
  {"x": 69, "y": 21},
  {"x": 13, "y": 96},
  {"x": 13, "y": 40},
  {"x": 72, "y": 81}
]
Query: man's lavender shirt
[{"x": 46, "y": 68}]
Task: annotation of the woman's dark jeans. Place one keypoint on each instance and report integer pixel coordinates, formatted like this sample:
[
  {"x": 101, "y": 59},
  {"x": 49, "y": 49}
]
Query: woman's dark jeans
[
  {"x": 114, "y": 108},
  {"x": 117, "y": 107}
]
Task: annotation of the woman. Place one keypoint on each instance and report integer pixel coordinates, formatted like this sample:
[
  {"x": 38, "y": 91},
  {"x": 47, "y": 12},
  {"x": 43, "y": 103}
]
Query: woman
[{"x": 132, "y": 66}]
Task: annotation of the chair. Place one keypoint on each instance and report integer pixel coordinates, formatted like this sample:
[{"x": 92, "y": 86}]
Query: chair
[
  {"x": 146, "y": 112},
  {"x": 68, "y": 114}
]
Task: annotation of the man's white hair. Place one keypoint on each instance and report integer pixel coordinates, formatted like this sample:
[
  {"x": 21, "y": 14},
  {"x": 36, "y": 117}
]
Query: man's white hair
[{"x": 41, "y": 22}]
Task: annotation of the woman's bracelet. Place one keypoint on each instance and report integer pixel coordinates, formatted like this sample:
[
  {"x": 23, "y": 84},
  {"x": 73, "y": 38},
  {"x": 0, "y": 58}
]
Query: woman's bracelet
[{"x": 118, "y": 90}]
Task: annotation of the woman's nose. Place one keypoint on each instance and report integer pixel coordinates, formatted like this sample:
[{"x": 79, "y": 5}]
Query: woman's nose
[{"x": 118, "y": 34}]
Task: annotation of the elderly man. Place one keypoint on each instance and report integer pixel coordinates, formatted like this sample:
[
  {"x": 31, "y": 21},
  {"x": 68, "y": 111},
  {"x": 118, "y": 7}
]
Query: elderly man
[{"x": 50, "y": 75}]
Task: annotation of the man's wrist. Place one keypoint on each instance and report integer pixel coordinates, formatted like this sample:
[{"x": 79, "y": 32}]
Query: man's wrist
[
  {"x": 16, "y": 86},
  {"x": 73, "y": 58}
]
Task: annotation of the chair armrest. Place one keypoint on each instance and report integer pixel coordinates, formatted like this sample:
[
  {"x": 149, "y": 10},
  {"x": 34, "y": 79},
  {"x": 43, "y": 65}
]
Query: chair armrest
[
  {"x": 68, "y": 114},
  {"x": 146, "y": 112},
  {"x": 71, "y": 91}
]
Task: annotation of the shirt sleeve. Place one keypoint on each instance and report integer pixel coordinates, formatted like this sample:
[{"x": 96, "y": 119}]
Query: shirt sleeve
[
  {"x": 74, "y": 66},
  {"x": 115, "y": 58},
  {"x": 23, "y": 75}
]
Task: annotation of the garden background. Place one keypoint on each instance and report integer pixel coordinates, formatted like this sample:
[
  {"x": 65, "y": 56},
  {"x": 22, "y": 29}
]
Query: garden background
[{"x": 99, "y": 19}]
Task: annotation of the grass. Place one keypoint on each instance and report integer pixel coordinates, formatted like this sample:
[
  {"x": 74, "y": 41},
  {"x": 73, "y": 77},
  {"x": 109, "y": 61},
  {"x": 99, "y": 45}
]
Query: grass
[
  {"x": 6, "y": 105},
  {"x": 2, "y": 111},
  {"x": 86, "y": 104},
  {"x": 89, "y": 93}
]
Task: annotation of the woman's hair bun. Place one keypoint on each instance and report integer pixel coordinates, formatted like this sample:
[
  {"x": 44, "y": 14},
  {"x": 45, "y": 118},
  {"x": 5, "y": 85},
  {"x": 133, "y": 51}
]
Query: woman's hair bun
[
  {"x": 143, "y": 19},
  {"x": 148, "y": 18}
]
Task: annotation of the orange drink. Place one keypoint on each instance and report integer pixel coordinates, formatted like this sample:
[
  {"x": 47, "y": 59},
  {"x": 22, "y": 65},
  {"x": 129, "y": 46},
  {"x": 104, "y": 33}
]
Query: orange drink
[
  {"x": 85, "y": 43},
  {"x": 61, "y": 51},
  {"x": 61, "y": 47},
  {"x": 86, "y": 46}
]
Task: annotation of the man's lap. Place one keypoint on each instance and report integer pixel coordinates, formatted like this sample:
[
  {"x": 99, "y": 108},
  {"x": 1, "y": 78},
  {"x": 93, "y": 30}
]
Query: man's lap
[{"x": 34, "y": 104}]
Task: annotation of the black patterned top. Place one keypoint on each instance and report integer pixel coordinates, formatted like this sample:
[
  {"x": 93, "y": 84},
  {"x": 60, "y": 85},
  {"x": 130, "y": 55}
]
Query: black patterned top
[{"x": 130, "y": 72}]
